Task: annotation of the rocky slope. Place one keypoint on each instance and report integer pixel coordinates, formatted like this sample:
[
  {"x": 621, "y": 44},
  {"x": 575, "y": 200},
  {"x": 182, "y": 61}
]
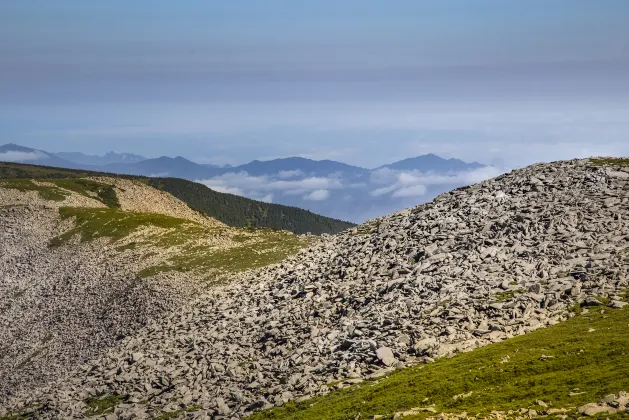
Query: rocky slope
[
  {"x": 475, "y": 266},
  {"x": 63, "y": 305}
]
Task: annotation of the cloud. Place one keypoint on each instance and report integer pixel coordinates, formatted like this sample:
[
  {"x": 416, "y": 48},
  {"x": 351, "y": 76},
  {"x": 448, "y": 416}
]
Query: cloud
[
  {"x": 318, "y": 195},
  {"x": 244, "y": 181},
  {"x": 383, "y": 190},
  {"x": 267, "y": 198},
  {"x": 415, "y": 183},
  {"x": 16, "y": 156},
  {"x": 414, "y": 191},
  {"x": 290, "y": 174},
  {"x": 159, "y": 175}
]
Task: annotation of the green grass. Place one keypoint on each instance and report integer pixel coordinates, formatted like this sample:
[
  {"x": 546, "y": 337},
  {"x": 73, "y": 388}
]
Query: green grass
[
  {"x": 610, "y": 161},
  {"x": 252, "y": 248},
  {"x": 104, "y": 193},
  {"x": 507, "y": 295},
  {"x": 100, "y": 405},
  {"x": 94, "y": 223},
  {"x": 263, "y": 248},
  {"x": 59, "y": 191},
  {"x": 45, "y": 192},
  {"x": 590, "y": 353}
]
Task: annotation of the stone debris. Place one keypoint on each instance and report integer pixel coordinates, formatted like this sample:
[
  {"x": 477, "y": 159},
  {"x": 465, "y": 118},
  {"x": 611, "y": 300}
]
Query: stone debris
[{"x": 475, "y": 266}]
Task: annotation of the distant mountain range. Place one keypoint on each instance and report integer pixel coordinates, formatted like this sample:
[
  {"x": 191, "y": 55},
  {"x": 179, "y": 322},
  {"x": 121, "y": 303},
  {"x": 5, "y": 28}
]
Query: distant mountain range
[
  {"x": 106, "y": 159},
  {"x": 327, "y": 187}
]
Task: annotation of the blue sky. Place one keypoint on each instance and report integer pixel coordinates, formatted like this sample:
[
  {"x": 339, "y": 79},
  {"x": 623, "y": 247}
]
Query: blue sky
[{"x": 364, "y": 82}]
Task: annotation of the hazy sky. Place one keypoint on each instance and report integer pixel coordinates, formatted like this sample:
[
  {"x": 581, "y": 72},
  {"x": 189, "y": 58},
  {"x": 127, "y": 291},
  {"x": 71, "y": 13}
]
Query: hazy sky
[{"x": 365, "y": 82}]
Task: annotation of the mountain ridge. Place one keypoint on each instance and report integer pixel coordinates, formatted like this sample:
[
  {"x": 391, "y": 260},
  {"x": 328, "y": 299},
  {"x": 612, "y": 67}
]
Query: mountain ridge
[
  {"x": 99, "y": 160},
  {"x": 255, "y": 167},
  {"x": 233, "y": 210}
]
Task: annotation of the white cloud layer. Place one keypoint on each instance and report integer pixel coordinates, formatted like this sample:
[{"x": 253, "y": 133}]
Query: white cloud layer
[
  {"x": 415, "y": 183},
  {"x": 15, "y": 156},
  {"x": 290, "y": 174},
  {"x": 243, "y": 181},
  {"x": 381, "y": 192}
]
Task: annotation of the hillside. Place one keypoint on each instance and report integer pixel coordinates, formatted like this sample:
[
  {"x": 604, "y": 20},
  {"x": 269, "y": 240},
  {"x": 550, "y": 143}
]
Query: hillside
[
  {"x": 230, "y": 209},
  {"x": 85, "y": 262},
  {"x": 475, "y": 267}
]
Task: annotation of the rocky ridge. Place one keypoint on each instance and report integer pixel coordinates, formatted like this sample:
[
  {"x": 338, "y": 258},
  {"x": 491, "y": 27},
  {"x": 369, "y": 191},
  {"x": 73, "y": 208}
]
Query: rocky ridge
[{"x": 476, "y": 265}]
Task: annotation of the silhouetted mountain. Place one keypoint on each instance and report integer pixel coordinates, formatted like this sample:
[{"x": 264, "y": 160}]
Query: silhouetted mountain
[
  {"x": 164, "y": 166},
  {"x": 15, "y": 153},
  {"x": 431, "y": 162},
  {"x": 303, "y": 165},
  {"x": 96, "y": 160}
]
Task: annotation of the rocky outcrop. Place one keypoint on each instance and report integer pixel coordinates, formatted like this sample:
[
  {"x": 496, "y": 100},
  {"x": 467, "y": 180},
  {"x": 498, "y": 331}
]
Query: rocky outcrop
[{"x": 476, "y": 265}]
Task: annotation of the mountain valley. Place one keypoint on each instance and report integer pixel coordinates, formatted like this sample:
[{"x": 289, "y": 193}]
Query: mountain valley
[
  {"x": 330, "y": 188},
  {"x": 120, "y": 301}
]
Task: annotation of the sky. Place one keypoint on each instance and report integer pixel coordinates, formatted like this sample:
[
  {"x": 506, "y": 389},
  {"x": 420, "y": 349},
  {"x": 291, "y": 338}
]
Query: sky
[{"x": 502, "y": 82}]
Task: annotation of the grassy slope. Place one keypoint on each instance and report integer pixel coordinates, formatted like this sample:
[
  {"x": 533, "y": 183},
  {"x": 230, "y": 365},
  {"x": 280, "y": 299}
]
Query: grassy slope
[
  {"x": 590, "y": 358},
  {"x": 99, "y": 191},
  {"x": 230, "y": 209},
  {"x": 253, "y": 247}
]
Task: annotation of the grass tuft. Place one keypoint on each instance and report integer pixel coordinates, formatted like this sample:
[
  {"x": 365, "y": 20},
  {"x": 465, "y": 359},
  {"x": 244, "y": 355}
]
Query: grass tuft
[{"x": 103, "y": 404}]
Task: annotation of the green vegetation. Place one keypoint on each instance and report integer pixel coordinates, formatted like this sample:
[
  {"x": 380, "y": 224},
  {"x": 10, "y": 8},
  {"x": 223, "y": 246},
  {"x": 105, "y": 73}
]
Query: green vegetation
[
  {"x": 249, "y": 248},
  {"x": 507, "y": 295},
  {"x": 45, "y": 191},
  {"x": 58, "y": 191},
  {"x": 239, "y": 211},
  {"x": 610, "y": 161},
  {"x": 104, "y": 193},
  {"x": 258, "y": 250},
  {"x": 100, "y": 405},
  {"x": 230, "y": 209},
  {"x": 587, "y": 358},
  {"x": 94, "y": 223}
]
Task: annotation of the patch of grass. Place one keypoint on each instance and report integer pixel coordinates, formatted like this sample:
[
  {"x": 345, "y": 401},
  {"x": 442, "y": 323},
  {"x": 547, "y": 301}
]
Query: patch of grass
[
  {"x": 253, "y": 247},
  {"x": 102, "y": 404},
  {"x": 59, "y": 191},
  {"x": 104, "y": 193},
  {"x": 590, "y": 359},
  {"x": 45, "y": 192},
  {"x": 507, "y": 295},
  {"x": 610, "y": 161},
  {"x": 266, "y": 247},
  {"x": 94, "y": 223}
]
